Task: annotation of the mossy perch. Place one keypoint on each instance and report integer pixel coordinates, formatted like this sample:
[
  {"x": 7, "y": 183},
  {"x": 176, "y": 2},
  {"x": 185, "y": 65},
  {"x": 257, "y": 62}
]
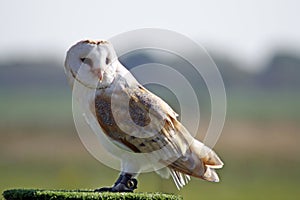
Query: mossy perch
[{"x": 34, "y": 194}]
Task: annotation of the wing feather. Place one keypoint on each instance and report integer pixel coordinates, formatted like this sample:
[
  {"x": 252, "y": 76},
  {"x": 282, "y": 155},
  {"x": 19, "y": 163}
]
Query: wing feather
[
  {"x": 158, "y": 131},
  {"x": 143, "y": 108}
]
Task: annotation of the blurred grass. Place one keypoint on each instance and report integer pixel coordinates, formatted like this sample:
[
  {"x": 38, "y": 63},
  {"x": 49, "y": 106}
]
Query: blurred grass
[
  {"x": 264, "y": 105},
  {"x": 28, "y": 106},
  {"x": 32, "y": 194},
  {"x": 240, "y": 179},
  {"x": 39, "y": 148}
]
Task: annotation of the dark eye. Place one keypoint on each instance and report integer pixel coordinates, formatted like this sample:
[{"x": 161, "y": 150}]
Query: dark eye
[
  {"x": 107, "y": 61},
  {"x": 87, "y": 61}
]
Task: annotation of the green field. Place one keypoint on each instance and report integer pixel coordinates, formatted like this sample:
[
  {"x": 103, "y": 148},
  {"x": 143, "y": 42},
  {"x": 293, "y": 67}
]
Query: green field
[
  {"x": 242, "y": 177},
  {"x": 39, "y": 148}
]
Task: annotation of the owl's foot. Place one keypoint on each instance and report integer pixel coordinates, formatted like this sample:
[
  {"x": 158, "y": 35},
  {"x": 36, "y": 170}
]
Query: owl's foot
[{"x": 125, "y": 183}]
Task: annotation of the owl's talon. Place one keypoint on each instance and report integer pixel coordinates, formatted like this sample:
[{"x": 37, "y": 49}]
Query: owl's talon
[{"x": 125, "y": 183}]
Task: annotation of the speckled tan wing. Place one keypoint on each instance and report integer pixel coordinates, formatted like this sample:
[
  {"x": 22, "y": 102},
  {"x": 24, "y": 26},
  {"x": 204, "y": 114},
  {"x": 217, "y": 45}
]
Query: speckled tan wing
[
  {"x": 126, "y": 112},
  {"x": 138, "y": 109}
]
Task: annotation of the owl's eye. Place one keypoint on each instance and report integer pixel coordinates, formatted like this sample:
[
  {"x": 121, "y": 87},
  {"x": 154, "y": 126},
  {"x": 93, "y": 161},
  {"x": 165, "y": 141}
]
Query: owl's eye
[
  {"x": 87, "y": 61},
  {"x": 107, "y": 61}
]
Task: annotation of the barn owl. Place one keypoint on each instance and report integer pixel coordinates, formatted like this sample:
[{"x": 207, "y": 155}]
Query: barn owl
[{"x": 135, "y": 119}]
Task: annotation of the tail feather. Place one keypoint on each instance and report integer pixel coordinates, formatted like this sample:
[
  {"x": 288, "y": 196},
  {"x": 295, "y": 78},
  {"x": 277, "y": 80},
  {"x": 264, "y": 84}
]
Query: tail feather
[
  {"x": 211, "y": 175},
  {"x": 210, "y": 158},
  {"x": 199, "y": 161},
  {"x": 179, "y": 178}
]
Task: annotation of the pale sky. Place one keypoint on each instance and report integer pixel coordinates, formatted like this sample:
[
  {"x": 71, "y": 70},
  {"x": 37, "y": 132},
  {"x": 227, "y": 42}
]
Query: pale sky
[{"x": 248, "y": 29}]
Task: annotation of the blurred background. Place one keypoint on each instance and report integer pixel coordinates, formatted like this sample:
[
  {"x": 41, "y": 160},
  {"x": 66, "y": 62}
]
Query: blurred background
[{"x": 255, "y": 44}]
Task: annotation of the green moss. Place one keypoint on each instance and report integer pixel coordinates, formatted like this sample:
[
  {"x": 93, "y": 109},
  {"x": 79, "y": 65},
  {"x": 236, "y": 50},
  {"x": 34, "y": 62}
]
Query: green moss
[{"x": 33, "y": 194}]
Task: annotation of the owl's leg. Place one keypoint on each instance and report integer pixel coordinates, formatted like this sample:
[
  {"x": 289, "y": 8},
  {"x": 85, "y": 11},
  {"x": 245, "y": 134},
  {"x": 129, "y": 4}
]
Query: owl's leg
[{"x": 125, "y": 183}]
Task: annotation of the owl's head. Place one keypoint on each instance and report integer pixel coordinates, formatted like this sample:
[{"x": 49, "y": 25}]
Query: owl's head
[{"x": 91, "y": 63}]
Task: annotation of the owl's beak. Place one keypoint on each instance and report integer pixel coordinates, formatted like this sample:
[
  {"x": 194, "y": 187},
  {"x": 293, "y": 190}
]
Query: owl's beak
[{"x": 98, "y": 73}]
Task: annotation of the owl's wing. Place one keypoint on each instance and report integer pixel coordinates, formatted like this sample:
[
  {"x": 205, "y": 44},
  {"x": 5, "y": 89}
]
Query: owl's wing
[
  {"x": 146, "y": 124},
  {"x": 140, "y": 120},
  {"x": 152, "y": 125}
]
